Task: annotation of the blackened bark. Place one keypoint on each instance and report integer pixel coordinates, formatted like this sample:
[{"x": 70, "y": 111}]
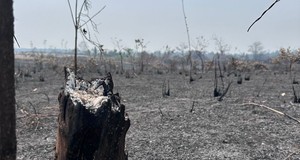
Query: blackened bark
[{"x": 7, "y": 90}]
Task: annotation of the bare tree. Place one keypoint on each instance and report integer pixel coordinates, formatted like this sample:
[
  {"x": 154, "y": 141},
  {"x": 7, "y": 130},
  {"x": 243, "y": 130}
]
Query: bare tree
[
  {"x": 166, "y": 59},
  {"x": 130, "y": 54},
  {"x": 257, "y": 50},
  {"x": 189, "y": 42},
  {"x": 7, "y": 88},
  {"x": 80, "y": 17},
  {"x": 139, "y": 43},
  {"x": 287, "y": 58},
  {"x": 120, "y": 48},
  {"x": 182, "y": 49},
  {"x": 219, "y": 61},
  {"x": 222, "y": 48},
  {"x": 200, "y": 47}
]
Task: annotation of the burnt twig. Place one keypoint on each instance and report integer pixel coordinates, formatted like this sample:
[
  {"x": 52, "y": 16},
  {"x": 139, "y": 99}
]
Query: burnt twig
[
  {"x": 193, "y": 105},
  {"x": 296, "y": 99},
  {"x": 222, "y": 96},
  {"x": 160, "y": 111},
  {"x": 33, "y": 107},
  {"x": 262, "y": 15},
  {"x": 17, "y": 41},
  {"x": 166, "y": 89},
  {"x": 274, "y": 110}
]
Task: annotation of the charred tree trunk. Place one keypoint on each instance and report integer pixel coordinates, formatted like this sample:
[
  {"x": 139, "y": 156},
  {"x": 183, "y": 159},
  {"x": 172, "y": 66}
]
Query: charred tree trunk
[
  {"x": 217, "y": 92},
  {"x": 7, "y": 88},
  {"x": 122, "y": 66},
  {"x": 202, "y": 63},
  {"x": 296, "y": 99},
  {"x": 92, "y": 121}
]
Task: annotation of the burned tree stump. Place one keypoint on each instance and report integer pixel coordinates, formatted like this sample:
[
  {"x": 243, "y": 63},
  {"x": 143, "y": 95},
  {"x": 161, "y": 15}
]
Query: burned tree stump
[
  {"x": 239, "y": 79},
  {"x": 92, "y": 123}
]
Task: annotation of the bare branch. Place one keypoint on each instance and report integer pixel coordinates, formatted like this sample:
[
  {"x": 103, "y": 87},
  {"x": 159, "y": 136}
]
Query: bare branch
[
  {"x": 192, "y": 109},
  {"x": 71, "y": 11},
  {"x": 76, "y": 19},
  {"x": 186, "y": 25},
  {"x": 89, "y": 39},
  {"x": 223, "y": 95},
  {"x": 273, "y": 110},
  {"x": 33, "y": 107},
  {"x": 262, "y": 14},
  {"x": 93, "y": 25},
  {"x": 17, "y": 41},
  {"x": 90, "y": 19},
  {"x": 85, "y": 5},
  {"x": 189, "y": 41}
]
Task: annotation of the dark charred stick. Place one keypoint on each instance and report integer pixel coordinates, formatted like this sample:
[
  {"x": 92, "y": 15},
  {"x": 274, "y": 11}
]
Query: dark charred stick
[
  {"x": 222, "y": 96},
  {"x": 168, "y": 89},
  {"x": 262, "y": 15},
  {"x": 193, "y": 105},
  {"x": 296, "y": 99}
]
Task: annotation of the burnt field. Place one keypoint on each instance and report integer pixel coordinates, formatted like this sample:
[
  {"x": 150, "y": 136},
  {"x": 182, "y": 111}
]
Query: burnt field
[{"x": 189, "y": 124}]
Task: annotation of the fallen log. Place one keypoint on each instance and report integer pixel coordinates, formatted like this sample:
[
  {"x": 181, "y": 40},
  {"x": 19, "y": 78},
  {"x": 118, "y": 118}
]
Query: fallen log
[{"x": 92, "y": 123}]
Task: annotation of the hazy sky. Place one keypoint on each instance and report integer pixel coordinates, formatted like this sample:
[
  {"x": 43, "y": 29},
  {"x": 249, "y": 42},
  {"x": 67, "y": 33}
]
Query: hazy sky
[{"x": 161, "y": 23}]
